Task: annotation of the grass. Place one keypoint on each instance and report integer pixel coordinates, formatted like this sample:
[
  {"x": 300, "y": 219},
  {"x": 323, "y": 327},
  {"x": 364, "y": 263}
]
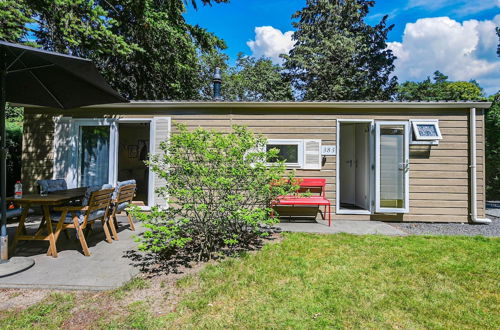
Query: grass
[
  {"x": 136, "y": 283},
  {"x": 48, "y": 314},
  {"x": 317, "y": 281},
  {"x": 351, "y": 282}
]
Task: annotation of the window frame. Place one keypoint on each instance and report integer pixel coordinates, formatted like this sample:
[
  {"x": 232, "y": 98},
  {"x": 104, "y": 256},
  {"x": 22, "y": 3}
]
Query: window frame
[
  {"x": 300, "y": 150},
  {"x": 416, "y": 134}
]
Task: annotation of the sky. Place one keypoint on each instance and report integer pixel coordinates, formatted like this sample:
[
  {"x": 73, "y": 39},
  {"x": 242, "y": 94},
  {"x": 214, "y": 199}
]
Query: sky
[{"x": 456, "y": 37}]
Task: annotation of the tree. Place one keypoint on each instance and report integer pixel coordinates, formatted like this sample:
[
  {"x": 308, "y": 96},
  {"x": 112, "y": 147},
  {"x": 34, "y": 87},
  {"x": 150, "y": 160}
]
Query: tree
[
  {"x": 144, "y": 48},
  {"x": 440, "y": 89},
  {"x": 251, "y": 79},
  {"x": 337, "y": 55},
  {"x": 497, "y": 29},
  {"x": 14, "y": 17},
  {"x": 493, "y": 149},
  {"x": 219, "y": 190},
  {"x": 255, "y": 79}
]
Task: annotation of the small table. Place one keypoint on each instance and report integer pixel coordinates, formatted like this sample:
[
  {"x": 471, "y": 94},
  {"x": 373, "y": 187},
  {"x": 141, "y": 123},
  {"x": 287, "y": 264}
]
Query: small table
[{"x": 52, "y": 199}]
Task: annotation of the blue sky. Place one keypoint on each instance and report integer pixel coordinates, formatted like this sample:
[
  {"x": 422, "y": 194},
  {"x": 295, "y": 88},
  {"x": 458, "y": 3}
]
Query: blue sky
[{"x": 454, "y": 36}]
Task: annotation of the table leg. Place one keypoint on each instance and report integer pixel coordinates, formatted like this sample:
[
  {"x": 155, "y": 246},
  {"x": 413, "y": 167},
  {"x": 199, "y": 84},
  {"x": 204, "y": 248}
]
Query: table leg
[
  {"x": 52, "y": 241},
  {"x": 20, "y": 228},
  {"x": 58, "y": 228}
]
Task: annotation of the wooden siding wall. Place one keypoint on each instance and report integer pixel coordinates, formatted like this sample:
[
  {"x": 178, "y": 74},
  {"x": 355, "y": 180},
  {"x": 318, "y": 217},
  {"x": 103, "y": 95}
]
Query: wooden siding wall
[
  {"x": 439, "y": 177},
  {"x": 38, "y": 150}
]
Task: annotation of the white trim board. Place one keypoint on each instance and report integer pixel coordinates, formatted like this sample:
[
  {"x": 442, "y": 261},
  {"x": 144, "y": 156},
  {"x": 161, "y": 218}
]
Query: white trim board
[{"x": 338, "y": 210}]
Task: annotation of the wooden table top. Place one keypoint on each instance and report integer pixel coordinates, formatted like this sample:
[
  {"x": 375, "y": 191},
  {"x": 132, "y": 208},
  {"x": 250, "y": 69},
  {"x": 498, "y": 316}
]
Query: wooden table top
[{"x": 53, "y": 198}]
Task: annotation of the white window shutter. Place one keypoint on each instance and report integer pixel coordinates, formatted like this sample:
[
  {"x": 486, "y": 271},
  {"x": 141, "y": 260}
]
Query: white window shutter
[
  {"x": 64, "y": 162},
  {"x": 162, "y": 133},
  {"x": 312, "y": 155}
]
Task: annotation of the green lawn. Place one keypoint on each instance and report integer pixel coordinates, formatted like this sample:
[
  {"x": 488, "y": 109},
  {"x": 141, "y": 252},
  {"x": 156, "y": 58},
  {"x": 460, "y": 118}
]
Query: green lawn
[
  {"x": 311, "y": 281},
  {"x": 350, "y": 282}
]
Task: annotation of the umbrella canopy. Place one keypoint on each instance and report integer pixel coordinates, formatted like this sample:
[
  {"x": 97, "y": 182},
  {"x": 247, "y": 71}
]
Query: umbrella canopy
[
  {"x": 33, "y": 76},
  {"x": 39, "y": 77}
]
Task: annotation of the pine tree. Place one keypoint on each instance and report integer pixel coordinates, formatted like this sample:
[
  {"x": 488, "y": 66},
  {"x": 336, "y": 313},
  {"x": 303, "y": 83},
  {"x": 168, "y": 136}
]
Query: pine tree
[{"x": 337, "y": 56}]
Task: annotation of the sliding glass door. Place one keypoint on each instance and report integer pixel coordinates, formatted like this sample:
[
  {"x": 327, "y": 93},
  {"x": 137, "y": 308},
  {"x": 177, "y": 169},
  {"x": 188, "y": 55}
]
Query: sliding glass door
[
  {"x": 392, "y": 167},
  {"x": 95, "y": 152}
]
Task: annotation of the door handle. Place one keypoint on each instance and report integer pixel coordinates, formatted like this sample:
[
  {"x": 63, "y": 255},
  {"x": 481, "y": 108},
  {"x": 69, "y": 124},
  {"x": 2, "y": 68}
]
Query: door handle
[{"x": 404, "y": 166}]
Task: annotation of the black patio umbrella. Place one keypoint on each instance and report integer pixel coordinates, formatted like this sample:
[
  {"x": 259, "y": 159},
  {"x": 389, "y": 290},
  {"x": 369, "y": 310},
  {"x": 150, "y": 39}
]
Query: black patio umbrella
[{"x": 33, "y": 76}]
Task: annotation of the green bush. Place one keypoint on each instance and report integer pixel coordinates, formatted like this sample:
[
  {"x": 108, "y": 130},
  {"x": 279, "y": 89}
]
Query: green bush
[
  {"x": 219, "y": 192},
  {"x": 493, "y": 150},
  {"x": 14, "y": 139}
]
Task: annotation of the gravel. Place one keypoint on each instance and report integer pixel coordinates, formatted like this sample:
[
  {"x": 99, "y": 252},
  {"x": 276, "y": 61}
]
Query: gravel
[{"x": 465, "y": 229}]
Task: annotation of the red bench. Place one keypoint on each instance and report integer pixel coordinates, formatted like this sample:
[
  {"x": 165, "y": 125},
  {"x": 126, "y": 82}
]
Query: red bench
[{"x": 308, "y": 185}]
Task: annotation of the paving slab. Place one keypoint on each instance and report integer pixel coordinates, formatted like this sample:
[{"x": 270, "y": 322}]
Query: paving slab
[
  {"x": 342, "y": 226},
  {"x": 106, "y": 268}
]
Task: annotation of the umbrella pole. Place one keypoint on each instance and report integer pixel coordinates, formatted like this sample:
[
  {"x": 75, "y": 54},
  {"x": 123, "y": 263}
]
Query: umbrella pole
[{"x": 4, "y": 238}]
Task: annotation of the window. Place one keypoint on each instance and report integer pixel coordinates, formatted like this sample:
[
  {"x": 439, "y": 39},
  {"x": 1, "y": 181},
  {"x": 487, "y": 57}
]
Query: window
[
  {"x": 303, "y": 154},
  {"x": 290, "y": 151},
  {"x": 287, "y": 152},
  {"x": 426, "y": 130}
]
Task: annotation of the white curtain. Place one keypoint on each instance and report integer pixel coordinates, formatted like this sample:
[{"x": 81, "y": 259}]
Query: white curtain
[{"x": 94, "y": 155}]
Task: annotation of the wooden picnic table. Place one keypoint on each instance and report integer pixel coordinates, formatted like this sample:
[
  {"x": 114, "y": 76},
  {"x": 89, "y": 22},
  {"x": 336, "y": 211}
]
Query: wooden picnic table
[{"x": 52, "y": 199}]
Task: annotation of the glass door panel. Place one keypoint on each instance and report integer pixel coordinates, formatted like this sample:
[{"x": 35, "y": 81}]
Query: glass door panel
[
  {"x": 94, "y": 155},
  {"x": 392, "y": 167}
]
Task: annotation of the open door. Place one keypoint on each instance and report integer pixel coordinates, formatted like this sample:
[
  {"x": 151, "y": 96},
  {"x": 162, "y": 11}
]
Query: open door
[{"x": 392, "y": 167}]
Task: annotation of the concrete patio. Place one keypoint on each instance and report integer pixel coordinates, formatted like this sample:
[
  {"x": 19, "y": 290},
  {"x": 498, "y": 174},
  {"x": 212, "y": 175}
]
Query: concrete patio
[
  {"x": 341, "y": 226},
  {"x": 106, "y": 268}
]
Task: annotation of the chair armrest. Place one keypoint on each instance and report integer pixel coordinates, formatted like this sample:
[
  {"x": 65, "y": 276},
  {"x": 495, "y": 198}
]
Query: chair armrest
[{"x": 71, "y": 208}]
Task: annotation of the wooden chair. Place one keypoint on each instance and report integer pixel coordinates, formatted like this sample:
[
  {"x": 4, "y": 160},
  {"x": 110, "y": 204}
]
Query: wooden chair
[
  {"x": 79, "y": 217},
  {"x": 122, "y": 199}
]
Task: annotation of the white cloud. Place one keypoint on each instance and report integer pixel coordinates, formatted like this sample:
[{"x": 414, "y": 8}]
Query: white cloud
[
  {"x": 463, "y": 51},
  {"x": 271, "y": 42}
]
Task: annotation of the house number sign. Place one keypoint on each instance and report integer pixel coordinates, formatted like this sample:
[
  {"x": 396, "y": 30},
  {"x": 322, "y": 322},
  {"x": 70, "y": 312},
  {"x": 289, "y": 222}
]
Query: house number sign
[{"x": 328, "y": 150}]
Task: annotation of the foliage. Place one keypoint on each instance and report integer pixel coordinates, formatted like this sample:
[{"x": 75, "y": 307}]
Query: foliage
[
  {"x": 14, "y": 16},
  {"x": 167, "y": 66},
  {"x": 14, "y": 134},
  {"x": 251, "y": 79},
  {"x": 493, "y": 149},
  {"x": 218, "y": 186},
  {"x": 337, "y": 55},
  {"x": 497, "y": 29},
  {"x": 208, "y": 63},
  {"x": 256, "y": 80},
  {"x": 440, "y": 89},
  {"x": 145, "y": 49}
]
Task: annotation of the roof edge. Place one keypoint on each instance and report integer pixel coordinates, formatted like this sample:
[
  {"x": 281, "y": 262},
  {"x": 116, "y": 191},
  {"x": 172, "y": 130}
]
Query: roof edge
[{"x": 290, "y": 105}]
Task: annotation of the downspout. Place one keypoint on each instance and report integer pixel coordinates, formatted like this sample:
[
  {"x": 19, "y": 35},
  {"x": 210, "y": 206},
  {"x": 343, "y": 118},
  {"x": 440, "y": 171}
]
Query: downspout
[{"x": 473, "y": 174}]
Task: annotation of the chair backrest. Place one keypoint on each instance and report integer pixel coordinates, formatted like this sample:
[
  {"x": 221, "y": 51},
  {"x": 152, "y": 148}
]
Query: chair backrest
[
  {"x": 125, "y": 194},
  {"x": 312, "y": 185},
  {"x": 52, "y": 185},
  {"x": 100, "y": 201},
  {"x": 119, "y": 184}
]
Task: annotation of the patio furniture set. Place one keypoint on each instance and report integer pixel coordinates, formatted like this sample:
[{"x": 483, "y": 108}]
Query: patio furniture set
[{"x": 76, "y": 209}]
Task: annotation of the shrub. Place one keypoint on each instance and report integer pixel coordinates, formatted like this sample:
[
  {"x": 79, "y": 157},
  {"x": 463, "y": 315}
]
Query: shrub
[
  {"x": 219, "y": 192},
  {"x": 493, "y": 150},
  {"x": 14, "y": 134}
]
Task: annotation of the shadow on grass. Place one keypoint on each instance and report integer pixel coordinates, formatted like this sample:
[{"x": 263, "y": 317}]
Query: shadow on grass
[{"x": 176, "y": 260}]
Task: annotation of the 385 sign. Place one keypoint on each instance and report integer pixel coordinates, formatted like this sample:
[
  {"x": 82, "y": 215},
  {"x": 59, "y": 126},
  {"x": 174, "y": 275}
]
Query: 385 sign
[{"x": 328, "y": 150}]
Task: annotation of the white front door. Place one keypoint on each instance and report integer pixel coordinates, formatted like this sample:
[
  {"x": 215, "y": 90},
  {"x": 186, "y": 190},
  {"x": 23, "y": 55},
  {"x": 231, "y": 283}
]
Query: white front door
[
  {"x": 392, "y": 167},
  {"x": 348, "y": 164}
]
